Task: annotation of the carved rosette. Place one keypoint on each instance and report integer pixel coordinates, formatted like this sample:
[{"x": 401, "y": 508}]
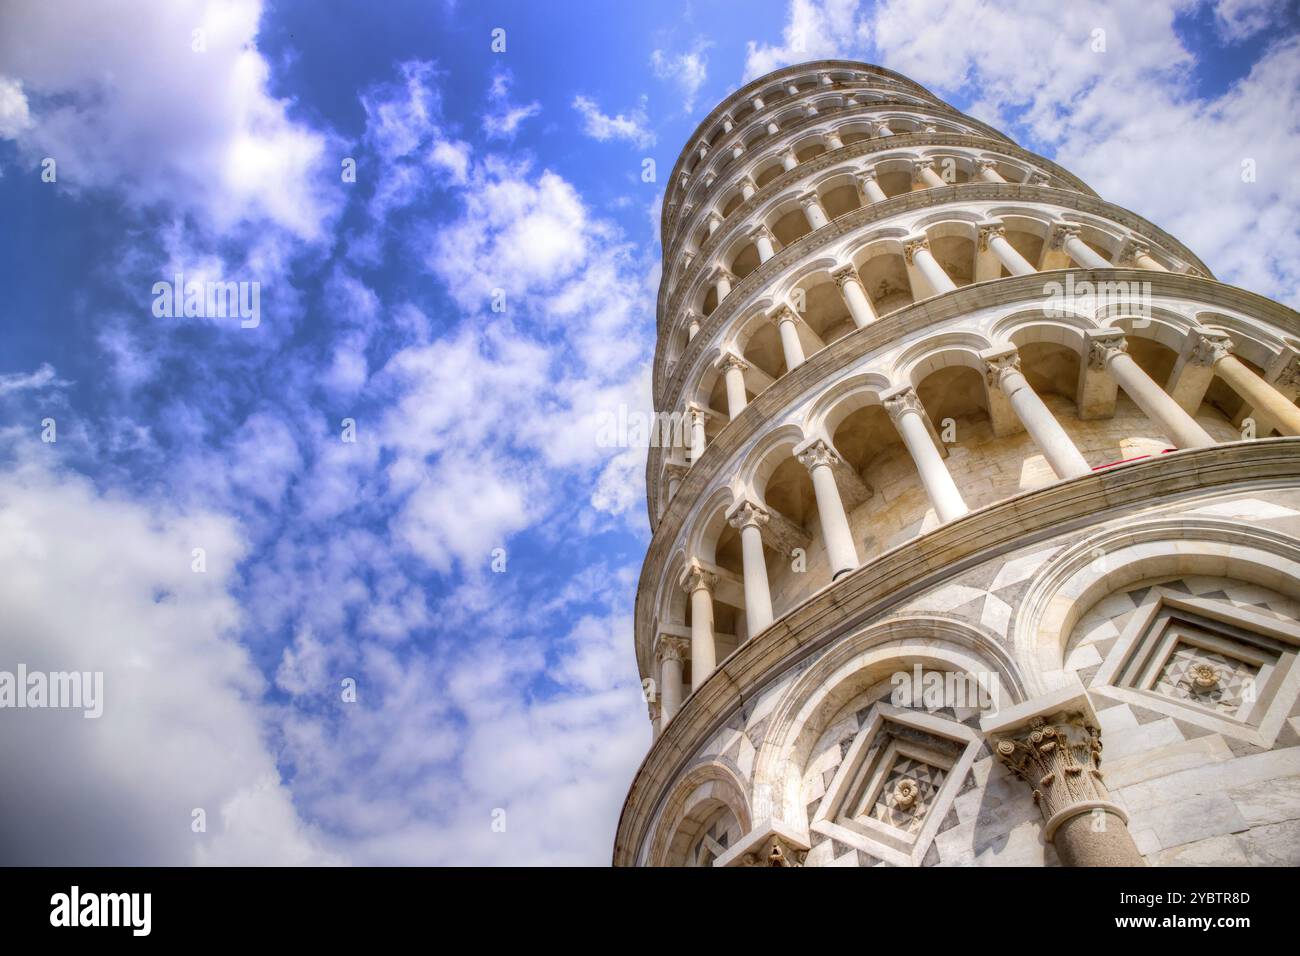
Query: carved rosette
[{"x": 1060, "y": 759}]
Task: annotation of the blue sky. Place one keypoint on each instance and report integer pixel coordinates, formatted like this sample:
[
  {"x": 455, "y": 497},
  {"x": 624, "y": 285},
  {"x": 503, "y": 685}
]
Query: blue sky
[{"x": 478, "y": 690}]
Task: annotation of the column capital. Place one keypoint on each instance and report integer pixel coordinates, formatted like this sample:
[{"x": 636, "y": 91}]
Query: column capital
[
  {"x": 1104, "y": 346},
  {"x": 809, "y": 198},
  {"x": 845, "y": 274},
  {"x": 900, "y": 401},
  {"x": 784, "y": 314},
  {"x": 919, "y": 166},
  {"x": 760, "y": 232},
  {"x": 722, "y": 272},
  {"x": 999, "y": 366},
  {"x": 747, "y": 181},
  {"x": 985, "y": 163},
  {"x": 696, "y": 577},
  {"x": 866, "y": 175},
  {"x": 729, "y": 360},
  {"x": 746, "y": 513},
  {"x": 914, "y": 245},
  {"x": 1209, "y": 347},
  {"x": 1039, "y": 179},
  {"x": 670, "y": 647},
  {"x": 809, "y": 110},
  {"x": 677, "y": 469},
  {"x": 710, "y": 179},
  {"x": 819, "y": 452},
  {"x": 1134, "y": 249},
  {"x": 1063, "y": 234},
  {"x": 698, "y": 415},
  {"x": 994, "y": 230},
  {"x": 714, "y": 220}
]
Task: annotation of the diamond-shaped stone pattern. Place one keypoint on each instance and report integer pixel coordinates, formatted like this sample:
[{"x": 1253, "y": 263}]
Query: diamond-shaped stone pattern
[
  {"x": 888, "y": 808},
  {"x": 1226, "y": 696},
  {"x": 719, "y": 835}
]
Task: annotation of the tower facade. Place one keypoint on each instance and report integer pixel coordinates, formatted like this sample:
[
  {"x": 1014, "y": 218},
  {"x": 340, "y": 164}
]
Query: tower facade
[{"x": 977, "y": 538}]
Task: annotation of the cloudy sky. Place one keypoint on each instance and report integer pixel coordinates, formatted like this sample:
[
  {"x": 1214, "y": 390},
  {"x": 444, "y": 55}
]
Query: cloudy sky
[{"x": 468, "y": 562}]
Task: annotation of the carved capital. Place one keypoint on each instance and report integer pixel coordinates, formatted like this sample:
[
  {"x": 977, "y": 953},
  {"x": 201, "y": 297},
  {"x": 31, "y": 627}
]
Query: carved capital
[
  {"x": 747, "y": 514},
  {"x": 695, "y": 577},
  {"x": 697, "y": 415},
  {"x": 1210, "y": 347},
  {"x": 1134, "y": 250},
  {"x": 669, "y": 648},
  {"x": 1289, "y": 376},
  {"x": 988, "y": 233},
  {"x": 1039, "y": 179},
  {"x": 1062, "y": 234},
  {"x": 998, "y": 367},
  {"x": 845, "y": 274},
  {"x": 920, "y": 166},
  {"x": 1060, "y": 758},
  {"x": 985, "y": 164},
  {"x": 808, "y": 199},
  {"x": 1102, "y": 350},
  {"x": 760, "y": 232},
  {"x": 818, "y": 453},
  {"x": 913, "y": 246},
  {"x": 722, "y": 272},
  {"x": 730, "y": 360},
  {"x": 905, "y": 401},
  {"x": 785, "y": 314}
]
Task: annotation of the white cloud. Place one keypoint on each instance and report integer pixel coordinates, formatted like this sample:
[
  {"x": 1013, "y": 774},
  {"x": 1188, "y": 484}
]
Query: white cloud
[
  {"x": 687, "y": 71},
  {"x": 43, "y": 377},
  {"x": 1241, "y": 19},
  {"x": 1128, "y": 120},
  {"x": 503, "y": 119},
  {"x": 181, "y": 726},
  {"x": 15, "y": 118},
  {"x": 140, "y": 110},
  {"x": 634, "y": 127},
  {"x": 813, "y": 31}
]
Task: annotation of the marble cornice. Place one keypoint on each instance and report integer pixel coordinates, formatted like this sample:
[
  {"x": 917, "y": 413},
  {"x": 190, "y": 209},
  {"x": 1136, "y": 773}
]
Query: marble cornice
[
  {"x": 895, "y": 576},
  {"x": 811, "y": 242}
]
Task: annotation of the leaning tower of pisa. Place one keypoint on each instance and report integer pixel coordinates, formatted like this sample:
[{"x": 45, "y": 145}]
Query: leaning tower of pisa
[{"x": 981, "y": 543}]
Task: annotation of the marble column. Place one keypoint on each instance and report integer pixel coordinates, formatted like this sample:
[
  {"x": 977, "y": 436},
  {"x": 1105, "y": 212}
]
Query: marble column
[
  {"x": 748, "y": 518},
  {"x": 988, "y": 171},
  {"x": 995, "y": 238},
  {"x": 819, "y": 458},
  {"x": 698, "y": 441},
  {"x": 905, "y": 410},
  {"x": 1067, "y": 238},
  {"x": 1179, "y": 427},
  {"x": 747, "y": 188},
  {"x": 733, "y": 369},
  {"x": 812, "y": 208},
  {"x": 1004, "y": 374},
  {"x": 1057, "y": 752},
  {"x": 855, "y": 297},
  {"x": 676, "y": 472},
  {"x": 1257, "y": 393},
  {"x": 882, "y": 129},
  {"x": 722, "y": 280},
  {"x": 1139, "y": 253},
  {"x": 870, "y": 188},
  {"x": 699, "y": 584},
  {"x": 670, "y": 653},
  {"x": 789, "y": 333},
  {"x": 762, "y": 239},
  {"x": 924, "y": 173},
  {"x": 788, "y": 160},
  {"x": 917, "y": 251}
]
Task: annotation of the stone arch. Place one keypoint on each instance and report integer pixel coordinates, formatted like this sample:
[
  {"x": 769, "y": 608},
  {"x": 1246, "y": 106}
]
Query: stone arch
[
  {"x": 774, "y": 448},
  {"x": 852, "y": 665},
  {"x": 700, "y": 791},
  {"x": 1073, "y": 581},
  {"x": 707, "y": 524}
]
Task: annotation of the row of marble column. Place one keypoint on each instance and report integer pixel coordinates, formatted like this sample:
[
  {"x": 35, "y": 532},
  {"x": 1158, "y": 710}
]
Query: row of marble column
[
  {"x": 1211, "y": 351},
  {"x": 869, "y": 191}
]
